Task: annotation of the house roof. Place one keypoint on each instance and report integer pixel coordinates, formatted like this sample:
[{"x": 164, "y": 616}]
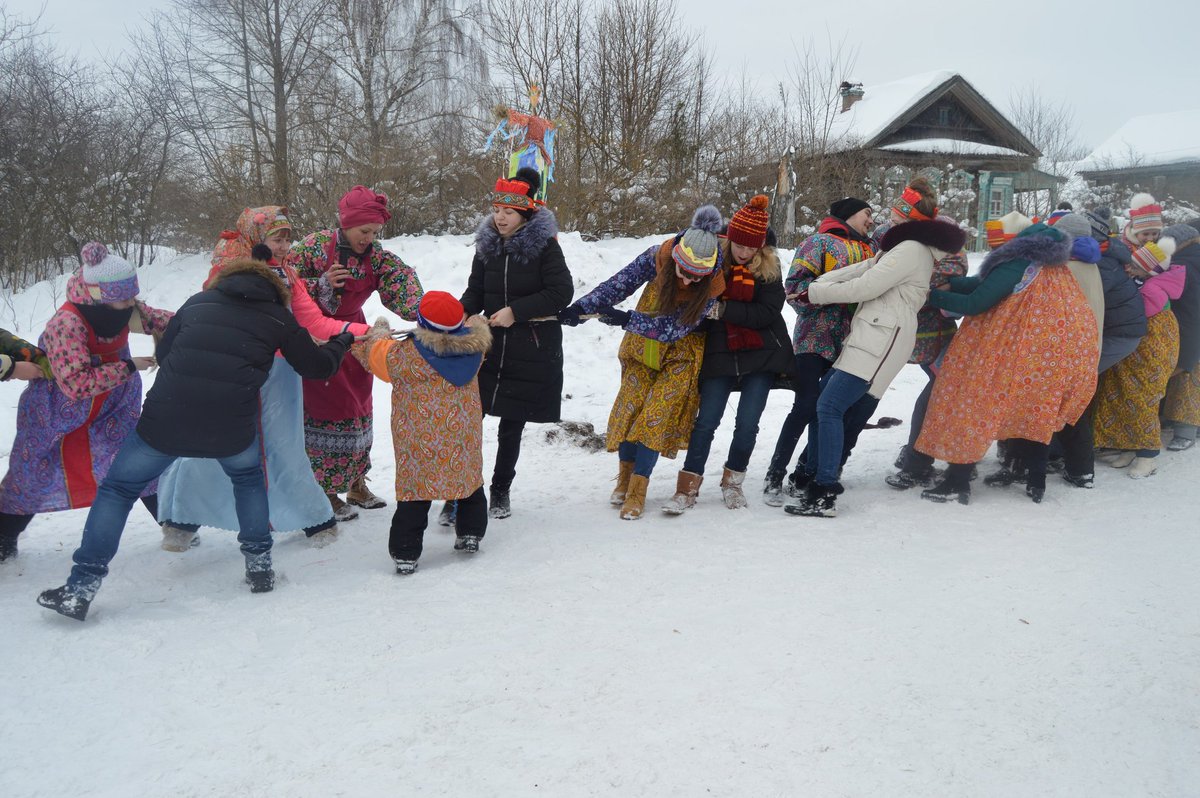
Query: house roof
[
  {"x": 1150, "y": 140},
  {"x": 887, "y": 107},
  {"x": 949, "y": 146}
]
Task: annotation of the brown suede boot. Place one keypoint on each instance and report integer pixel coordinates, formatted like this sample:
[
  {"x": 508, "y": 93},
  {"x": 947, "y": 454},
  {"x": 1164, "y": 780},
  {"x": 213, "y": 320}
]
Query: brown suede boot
[
  {"x": 618, "y": 495},
  {"x": 361, "y": 496},
  {"x": 731, "y": 489},
  {"x": 687, "y": 487},
  {"x": 635, "y": 498}
]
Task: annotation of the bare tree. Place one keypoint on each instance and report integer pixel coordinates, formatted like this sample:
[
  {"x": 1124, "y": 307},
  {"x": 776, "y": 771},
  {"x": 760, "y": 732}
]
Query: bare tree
[{"x": 1050, "y": 126}]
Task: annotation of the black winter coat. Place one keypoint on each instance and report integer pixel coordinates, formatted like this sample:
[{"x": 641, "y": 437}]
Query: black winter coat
[
  {"x": 215, "y": 355},
  {"x": 1187, "y": 307},
  {"x": 522, "y": 376},
  {"x": 1124, "y": 310},
  {"x": 762, "y": 314}
]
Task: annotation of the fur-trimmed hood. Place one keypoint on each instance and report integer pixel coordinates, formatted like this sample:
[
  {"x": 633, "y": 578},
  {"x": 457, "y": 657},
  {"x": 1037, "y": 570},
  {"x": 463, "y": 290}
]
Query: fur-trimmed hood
[
  {"x": 1046, "y": 247},
  {"x": 942, "y": 236},
  {"x": 475, "y": 338},
  {"x": 524, "y": 245},
  {"x": 243, "y": 278},
  {"x": 455, "y": 356}
]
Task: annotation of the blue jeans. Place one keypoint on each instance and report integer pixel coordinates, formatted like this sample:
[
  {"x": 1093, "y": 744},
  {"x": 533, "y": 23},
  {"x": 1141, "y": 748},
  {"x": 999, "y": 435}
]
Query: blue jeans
[
  {"x": 136, "y": 465},
  {"x": 841, "y": 392},
  {"x": 641, "y": 455},
  {"x": 714, "y": 395}
]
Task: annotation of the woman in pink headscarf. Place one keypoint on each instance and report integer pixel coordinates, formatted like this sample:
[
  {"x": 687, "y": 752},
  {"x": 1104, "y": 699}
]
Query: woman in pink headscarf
[{"x": 342, "y": 268}]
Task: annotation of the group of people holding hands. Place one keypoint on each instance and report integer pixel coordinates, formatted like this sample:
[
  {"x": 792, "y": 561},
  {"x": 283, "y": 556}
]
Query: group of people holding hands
[{"x": 1074, "y": 345}]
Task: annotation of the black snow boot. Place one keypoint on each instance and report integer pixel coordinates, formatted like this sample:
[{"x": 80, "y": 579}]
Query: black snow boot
[
  {"x": 1080, "y": 481},
  {"x": 65, "y": 601},
  {"x": 260, "y": 581},
  {"x": 1035, "y": 486},
  {"x": 907, "y": 478},
  {"x": 796, "y": 484},
  {"x": 955, "y": 485},
  {"x": 773, "y": 490},
  {"x": 467, "y": 543},
  {"x": 819, "y": 501},
  {"x": 448, "y": 514},
  {"x": 498, "y": 506},
  {"x": 405, "y": 567}
]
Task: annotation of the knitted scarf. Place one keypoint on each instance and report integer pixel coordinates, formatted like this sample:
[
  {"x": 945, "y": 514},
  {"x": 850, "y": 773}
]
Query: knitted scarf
[{"x": 740, "y": 288}]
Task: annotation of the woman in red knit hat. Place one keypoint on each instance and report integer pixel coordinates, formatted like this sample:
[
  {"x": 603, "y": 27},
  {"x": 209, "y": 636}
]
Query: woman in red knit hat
[
  {"x": 746, "y": 349},
  {"x": 342, "y": 268}
]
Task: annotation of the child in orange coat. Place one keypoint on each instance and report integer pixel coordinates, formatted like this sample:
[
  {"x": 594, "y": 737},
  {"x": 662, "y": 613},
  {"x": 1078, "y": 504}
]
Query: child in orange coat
[{"x": 437, "y": 422}]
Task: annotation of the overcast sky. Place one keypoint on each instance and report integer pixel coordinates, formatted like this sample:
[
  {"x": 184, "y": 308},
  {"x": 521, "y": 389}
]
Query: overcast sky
[{"x": 1081, "y": 54}]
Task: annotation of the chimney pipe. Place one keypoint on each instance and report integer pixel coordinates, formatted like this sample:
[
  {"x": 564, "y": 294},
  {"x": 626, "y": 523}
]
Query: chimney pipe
[{"x": 850, "y": 93}]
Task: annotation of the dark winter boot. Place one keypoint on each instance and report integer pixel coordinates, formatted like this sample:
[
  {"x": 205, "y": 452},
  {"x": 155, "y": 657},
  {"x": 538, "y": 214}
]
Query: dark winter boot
[
  {"x": 498, "y": 506},
  {"x": 910, "y": 478},
  {"x": 66, "y": 601},
  {"x": 1035, "y": 486},
  {"x": 901, "y": 458},
  {"x": 467, "y": 543},
  {"x": 449, "y": 513},
  {"x": 773, "y": 490},
  {"x": 1080, "y": 481},
  {"x": 8, "y": 545},
  {"x": 1012, "y": 469},
  {"x": 819, "y": 501},
  {"x": 955, "y": 485},
  {"x": 405, "y": 567},
  {"x": 795, "y": 484},
  {"x": 261, "y": 581}
]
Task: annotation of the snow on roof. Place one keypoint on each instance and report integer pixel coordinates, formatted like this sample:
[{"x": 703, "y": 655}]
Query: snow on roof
[
  {"x": 951, "y": 146},
  {"x": 881, "y": 105},
  {"x": 1150, "y": 140}
]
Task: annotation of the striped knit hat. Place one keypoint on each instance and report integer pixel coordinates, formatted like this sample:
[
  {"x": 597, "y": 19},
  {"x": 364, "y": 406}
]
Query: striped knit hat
[
  {"x": 440, "y": 312},
  {"x": 1144, "y": 213},
  {"x": 697, "y": 252},
  {"x": 1154, "y": 257},
  {"x": 748, "y": 226},
  {"x": 109, "y": 277},
  {"x": 1098, "y": 219},
  {"x": 1001, "y": 231}
]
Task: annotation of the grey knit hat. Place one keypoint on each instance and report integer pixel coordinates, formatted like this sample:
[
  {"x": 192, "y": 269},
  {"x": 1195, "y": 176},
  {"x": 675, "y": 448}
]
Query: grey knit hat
[
  {"x": 1099, "y": 220},
  {"x": 1073, "y": 224},
  {"x": 1181, "y": 232},
  {"x": 696, "y": 254}
]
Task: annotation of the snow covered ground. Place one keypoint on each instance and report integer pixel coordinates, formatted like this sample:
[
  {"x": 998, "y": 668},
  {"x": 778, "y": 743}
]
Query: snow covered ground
[{"x": 902, "y": 649}]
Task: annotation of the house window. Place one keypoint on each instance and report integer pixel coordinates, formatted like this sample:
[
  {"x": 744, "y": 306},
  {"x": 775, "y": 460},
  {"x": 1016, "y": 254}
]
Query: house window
[
  {"x": 943, "y": 115},
  {"x": 996, "y": 203}
]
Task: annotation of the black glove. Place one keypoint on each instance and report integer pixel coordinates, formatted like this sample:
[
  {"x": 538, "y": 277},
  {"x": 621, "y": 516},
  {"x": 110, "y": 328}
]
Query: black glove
[
  {"x": 570, "y": 316},
  {"x": 613, "y": 317},
  {"x": 345, "y": 339}
]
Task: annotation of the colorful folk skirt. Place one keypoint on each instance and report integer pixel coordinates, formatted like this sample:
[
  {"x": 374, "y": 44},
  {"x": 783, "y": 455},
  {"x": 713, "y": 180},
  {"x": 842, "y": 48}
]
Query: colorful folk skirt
[
  {"x": 64, "y": 446},
  {"x": 1183, "y": 399},
  {"x": 1126, "y": 415},
  {"x": 656, "y": 407},
  {"x": 1024, "y": 369},
  {"x": 197, "y": 491},
  {"x": 339, "y": 450}
]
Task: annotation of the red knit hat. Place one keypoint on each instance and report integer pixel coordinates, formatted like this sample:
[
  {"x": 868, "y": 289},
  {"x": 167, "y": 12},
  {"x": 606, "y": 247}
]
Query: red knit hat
[
  {"x": 748, "y": 226},
  {"x": 440, "y": 311},
  {"x": 361, "y": 205}
]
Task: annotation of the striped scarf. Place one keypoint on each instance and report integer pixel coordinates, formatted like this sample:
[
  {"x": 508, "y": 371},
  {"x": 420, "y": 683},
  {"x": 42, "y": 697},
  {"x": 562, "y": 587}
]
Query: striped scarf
[{"x": 740, "y": 288}]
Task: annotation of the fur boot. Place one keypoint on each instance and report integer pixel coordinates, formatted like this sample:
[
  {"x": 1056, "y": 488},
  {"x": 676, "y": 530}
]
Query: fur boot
[
  {"x": 687, "y": 487},
  {"x": 635, "y": 498}
]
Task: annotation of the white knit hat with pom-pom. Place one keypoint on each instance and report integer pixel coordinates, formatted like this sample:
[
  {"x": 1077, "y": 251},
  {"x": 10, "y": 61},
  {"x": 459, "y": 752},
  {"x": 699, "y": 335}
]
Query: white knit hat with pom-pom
[
  {"x": 109, "y": 277},
  {"x": 1144, "y": 213}
]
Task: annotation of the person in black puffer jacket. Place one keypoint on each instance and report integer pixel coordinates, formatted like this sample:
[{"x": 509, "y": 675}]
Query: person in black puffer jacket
[
  {"x": 1124, "y": 310},
  {"x": 746, "y": 348},
  {"x": 518, "y": 274},
  {"x": 214, "y": 356}
]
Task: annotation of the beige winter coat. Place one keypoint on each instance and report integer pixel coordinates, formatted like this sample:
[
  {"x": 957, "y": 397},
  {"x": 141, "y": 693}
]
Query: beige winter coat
[
  {"x": 889, "y": 289},
  {"x": 1088, "y": 277}
]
